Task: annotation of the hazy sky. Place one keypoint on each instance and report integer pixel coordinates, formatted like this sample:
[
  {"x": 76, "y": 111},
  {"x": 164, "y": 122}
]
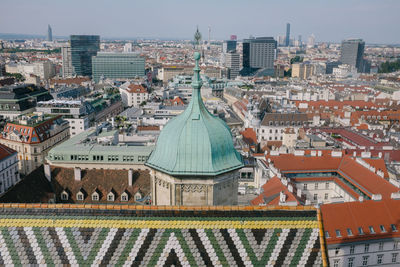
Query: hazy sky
[{"x": 376, "y": 21}]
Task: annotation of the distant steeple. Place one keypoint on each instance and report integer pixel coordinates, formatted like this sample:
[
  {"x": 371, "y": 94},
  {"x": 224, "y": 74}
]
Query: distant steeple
[{"x": 197, "y": 38}]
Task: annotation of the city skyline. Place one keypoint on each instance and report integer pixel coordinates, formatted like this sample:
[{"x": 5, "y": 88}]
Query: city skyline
[{"x": 328, "y": 21}]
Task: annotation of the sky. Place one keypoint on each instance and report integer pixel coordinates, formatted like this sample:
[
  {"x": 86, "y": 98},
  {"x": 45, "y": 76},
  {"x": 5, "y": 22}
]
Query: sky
[{"x": 375, "y": 21}]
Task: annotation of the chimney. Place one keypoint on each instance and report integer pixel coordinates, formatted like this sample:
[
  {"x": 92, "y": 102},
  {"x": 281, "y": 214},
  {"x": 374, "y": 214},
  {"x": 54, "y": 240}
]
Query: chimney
[
  {"x": 282, "y": 197},
  {"x": 130, "y": 177},
  {"x": 77, "y": 174},
  {"x": 376, "y": 197},
  {"x": 395, "y": 195},
  {"x": 290, "y": 188},
  {"x": 47, "y": 172}
]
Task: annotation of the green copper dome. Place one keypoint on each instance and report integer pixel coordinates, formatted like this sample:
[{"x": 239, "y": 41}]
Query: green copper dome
[{"x": 195, "y": 142}]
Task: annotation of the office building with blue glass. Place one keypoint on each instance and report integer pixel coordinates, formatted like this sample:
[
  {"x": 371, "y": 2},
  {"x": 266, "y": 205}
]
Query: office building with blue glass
[
  {"x": 83, "y": 48},
  {"x": 117, "y": 65}
]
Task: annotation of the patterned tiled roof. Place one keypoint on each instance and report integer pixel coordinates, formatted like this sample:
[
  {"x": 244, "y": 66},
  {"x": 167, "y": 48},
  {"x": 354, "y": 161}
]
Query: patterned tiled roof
[{"x": 159, "y": 236}]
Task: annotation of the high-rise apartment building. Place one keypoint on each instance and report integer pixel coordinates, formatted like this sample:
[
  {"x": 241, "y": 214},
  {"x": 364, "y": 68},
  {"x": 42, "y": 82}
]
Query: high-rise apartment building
[
  {"x": 287, "y": 39},
  {"x": 49, "y": 34},
  {"x": 229, "y": 46},
  {"x": 259, "y": 53},
  {"x": 83, "y": 48},
  {"x": 117, "y": 65},
  {"x": 352, "y": 52},
  {"x": 232, "y": 62},
  {"x": 67, "y": 68}
]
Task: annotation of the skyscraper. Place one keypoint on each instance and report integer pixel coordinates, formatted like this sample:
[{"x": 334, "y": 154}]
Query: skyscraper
[
  {"x": 287, "y": 40},
  {"x": 229, "y": 46},
  {"x": 67, "y": 68},
  {"x": 83, "y": 48},
  {"x": 117, "y": 65},
  {"x": 232, "y": 62},
  {"x": 49, "y": 34},
  {"x": 259, "y": 53},
  {"x": 352, "y": 52}
]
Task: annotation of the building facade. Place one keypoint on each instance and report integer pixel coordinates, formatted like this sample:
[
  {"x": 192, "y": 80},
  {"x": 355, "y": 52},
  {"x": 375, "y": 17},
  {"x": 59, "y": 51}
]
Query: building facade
[
  {"x": 49, "y": 34},
  {"x": 232, "y": 62},
  {"x": 117, "y": 65},
  {"x": 83, "y": 48},
  {"x": 67, "y": 68},
  {"x": 134, "y": 95},
  {"x": 352, "y": 52},
  {"x": 259, "y": 53},
  {"x": 9, "y": 174},
  {"x": 32, "y": 137}
]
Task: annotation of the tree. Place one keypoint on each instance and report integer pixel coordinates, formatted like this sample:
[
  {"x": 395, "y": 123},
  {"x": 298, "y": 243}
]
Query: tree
[
  {"x": 287, "y": 73},
  {"x": 387, "y": 66},
  {"x": 296, "y": 59}
]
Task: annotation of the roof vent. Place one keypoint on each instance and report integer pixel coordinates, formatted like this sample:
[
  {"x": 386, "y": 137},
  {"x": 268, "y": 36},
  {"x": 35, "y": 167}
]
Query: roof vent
[
  {"x": 395, "y": 195},
  {"x": 376, "y": 197}
]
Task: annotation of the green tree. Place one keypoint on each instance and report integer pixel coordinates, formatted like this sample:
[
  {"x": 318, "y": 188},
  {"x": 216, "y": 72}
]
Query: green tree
[
  {"x": 387, "y": 66},
  {"x": 296, "y": 59}
]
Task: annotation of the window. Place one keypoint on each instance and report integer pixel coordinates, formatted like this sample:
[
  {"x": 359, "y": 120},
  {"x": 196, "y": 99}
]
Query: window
[
  {"x": 316, "y": 186},
  {"x": 326, "y": 196},
  {"x": 64, "y": 195},
  {"x": 360, "y": 231},
  {"x": 124, "y": 196},
  {"x": 366, "y": 248},
  {"x": 138, "y": 196},
  {"x": 336, "y": 263},
  {"x": 110, "y": 196},
  {"x": 315, "y": 196},
  {"x": 394, "y": 229},
  {"x": 365, "y": 260},
  {"x": 352, "y": 247},
  {"x": 349, "y": 232},
  {"x": 351, "y": 262},
  {"x": 394, "y": 257},
  {"x": 383, "y": 230},
  {"x": 338, "y": 233},
  {"x": 326, "y": 185},
  {"x": 395, "y": 244},
  {"x": 95, "y": 196},
  {"x": 305, "y": 186},
  {"x": 79, "y": 196},
  {"x": 327, "y": 234},
  {"x": 380, "y": 246},
  {"x": 379, "y": 259},
  {"x": 371, "y": 230},
  {"x": 337, "y": 251}
]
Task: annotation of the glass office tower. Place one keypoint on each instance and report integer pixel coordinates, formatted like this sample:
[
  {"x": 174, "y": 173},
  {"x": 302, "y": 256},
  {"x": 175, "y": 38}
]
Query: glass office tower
[
  {"x": 352, "y": 52},
  {"x": 118, "y": 65},
  {"x": 83, "y": 48}
]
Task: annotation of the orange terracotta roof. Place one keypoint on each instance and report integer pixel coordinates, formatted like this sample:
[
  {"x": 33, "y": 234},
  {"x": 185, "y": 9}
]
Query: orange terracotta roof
[
  {"x": 136, "y": 88},
  {"x": 290, "y": 162},
  {"x": 352, "y": 215},
  {"x": 249, "y": 136},
  {"x": 367, "y": 180},
  {"x": 272, "y": 189}
]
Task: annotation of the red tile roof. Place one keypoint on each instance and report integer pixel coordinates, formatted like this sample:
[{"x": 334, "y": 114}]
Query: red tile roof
[
  {"x": 249, "y": 136},
  {"x": 352, "y": 215},
  {"x": 272, "y": 189},
  {"x": 136, "y": 88},
  {"x": 5, "y": 152}
]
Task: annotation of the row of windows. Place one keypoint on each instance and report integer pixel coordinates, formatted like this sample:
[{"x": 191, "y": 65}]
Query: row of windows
[
  {"x": 366, "y": 260},
  {"x": 316, "y": 186},
  {"x": 101, "y": 158},
  {"x": 361, "y": 231},
  {"x": 96, "y": 196}
]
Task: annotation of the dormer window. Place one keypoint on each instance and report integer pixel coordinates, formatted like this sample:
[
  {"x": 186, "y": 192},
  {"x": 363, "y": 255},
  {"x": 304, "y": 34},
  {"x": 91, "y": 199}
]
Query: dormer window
[
  {"x": 371, "y": 230},
  {"x": 394, "y": 228},
  {"x": 327, "y": 234},
  {"x": 80, "y": 196},
  {"x": 338, "y": 233},
  {"x": 349, "y": 232},
  {"x": 64, "y": 195},
  {"x": 110, "y": 196},
  {"x": 95, "y": 196},
  {"x": 360, "y": 231},
  {"x": 383, "y": 230},
  {"x": 124, "y": 197},
  {"x": 138, "y": 196}
]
